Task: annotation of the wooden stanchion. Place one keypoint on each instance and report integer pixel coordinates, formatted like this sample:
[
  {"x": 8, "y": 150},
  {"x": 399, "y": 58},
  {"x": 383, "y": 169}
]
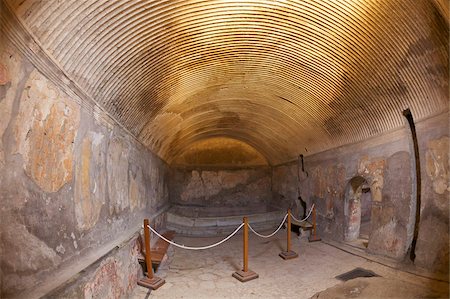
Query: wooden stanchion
[
  {"x": 245, "y": 274},
  {"x": 288, "y": 254},
  {"x": 313, "y": 237},
  {"x": 151, "y": 281}
]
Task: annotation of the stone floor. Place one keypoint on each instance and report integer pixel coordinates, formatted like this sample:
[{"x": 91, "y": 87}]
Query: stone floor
[{"x": 207, "y": 273}]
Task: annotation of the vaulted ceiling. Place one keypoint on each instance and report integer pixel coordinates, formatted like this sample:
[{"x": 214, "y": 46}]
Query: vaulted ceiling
[{"x": 285, "y": 77}]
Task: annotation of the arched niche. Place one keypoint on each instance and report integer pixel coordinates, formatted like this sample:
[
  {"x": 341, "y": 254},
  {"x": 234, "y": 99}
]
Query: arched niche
[{"x": 357, "y": 211}]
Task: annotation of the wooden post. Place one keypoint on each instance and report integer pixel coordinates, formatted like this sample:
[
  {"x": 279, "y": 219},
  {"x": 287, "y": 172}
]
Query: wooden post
[
  {"x": 151, "y": 281},
  {"x": 313, "y": 236},
  {"x": 148, "y": 257},
  {"x": 288, "y": 245},
  {"x": 245, "y": 241},
  {"x": 288, "y": 254},
  {"x": 245, "y": 274}
]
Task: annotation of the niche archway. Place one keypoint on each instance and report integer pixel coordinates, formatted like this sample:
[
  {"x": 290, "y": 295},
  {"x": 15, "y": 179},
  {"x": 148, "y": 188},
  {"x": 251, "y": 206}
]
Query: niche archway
[{"x": 357, "y": 211}]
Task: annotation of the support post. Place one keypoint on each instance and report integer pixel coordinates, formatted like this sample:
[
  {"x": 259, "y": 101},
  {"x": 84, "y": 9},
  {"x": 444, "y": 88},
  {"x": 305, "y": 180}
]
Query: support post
[
  {"x": 245, "y": 242},
  {"x": 288, "y": 254},
  {"x": 245, "y": 274},
  {"x": 313, "y": 237},
  {"x": 151, "y": 281}
]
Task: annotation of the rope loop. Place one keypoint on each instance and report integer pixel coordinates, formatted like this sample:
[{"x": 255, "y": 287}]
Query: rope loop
[
  {"x": 197, "y": 248},
  {"x": 307, "y": 216},
  {"x": 270, "y": 235}
]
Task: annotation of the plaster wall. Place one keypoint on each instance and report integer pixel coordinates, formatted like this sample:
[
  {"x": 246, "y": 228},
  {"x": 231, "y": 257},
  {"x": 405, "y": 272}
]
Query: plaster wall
[
  {"x": 73, "y": 184},
  {"x": 386, "y": 163},
  {"x": 247, "y": 189},
  {"x": 285, "y": 190},
  {"x": 432, "y": 250}
]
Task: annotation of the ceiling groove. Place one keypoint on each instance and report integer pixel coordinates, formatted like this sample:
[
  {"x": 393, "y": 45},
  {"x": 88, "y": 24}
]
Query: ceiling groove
[{"x": 317, "y": 74}]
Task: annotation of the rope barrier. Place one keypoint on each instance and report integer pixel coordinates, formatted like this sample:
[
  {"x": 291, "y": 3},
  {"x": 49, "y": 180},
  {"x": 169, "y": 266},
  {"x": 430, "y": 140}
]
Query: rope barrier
[
  {"x": 232, "y": 234},
  {"x": 197, "y": 248},
  {"x": 307, "y": 216},
  {"x": 268, "y": 236}
]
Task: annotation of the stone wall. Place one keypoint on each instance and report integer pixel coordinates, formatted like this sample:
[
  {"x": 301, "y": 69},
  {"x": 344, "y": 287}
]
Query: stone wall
[
  {"x": 386, "y": 164},
  {"x": 73, "y": 183},
  {"x": 247, "y": 189},
  {"x": 285, "y": 188}
]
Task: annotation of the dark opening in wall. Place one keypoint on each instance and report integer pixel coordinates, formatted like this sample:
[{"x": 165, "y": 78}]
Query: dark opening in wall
[{"x": 357, "y": 211}]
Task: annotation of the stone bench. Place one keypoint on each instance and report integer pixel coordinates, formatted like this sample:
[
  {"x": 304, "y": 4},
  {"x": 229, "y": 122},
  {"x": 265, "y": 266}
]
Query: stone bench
[{"x": 220, "y": 225}]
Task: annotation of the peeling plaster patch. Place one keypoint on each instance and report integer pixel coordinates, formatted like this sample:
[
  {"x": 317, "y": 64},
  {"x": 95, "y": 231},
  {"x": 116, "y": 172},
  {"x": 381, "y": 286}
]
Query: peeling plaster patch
[
  {"x": 319, "y": 182},
  {"x": 4, "y": 75},
  {"x": 210, "y": 183},
  {"x": 96, "y": 138},
  {"x": 157, "y": 184},
  {"x": 60, "y": 249},
  {"x": 117, "y": 172},
  {"x": 90, "y": 183},
  {"x": 75, "y": 245},
  {"x": 10, "y": 63},
  {"x": 230, "y": 180},
  {"x": 374, "y": 171},
  {"x": 133, "y": 194},
  {"x": 106, "y": 282},
  {"x": 389, "y": 238},
  {"x": 437, "y": 164},
  {"x": 24, "y": 252},
  {"x": 45, "y": 132},
  {"x": 158, "y": 192},
  {"x": 5, "y": 81},
  {"x": 114, "y": 276},
  {"x": 261, "y": 184},
  {"x": 136, "y": 190},
  {"x": 285, "y": 185},
  {"x": 194, "y": 188},
  {"x": 382, "y": 236}
]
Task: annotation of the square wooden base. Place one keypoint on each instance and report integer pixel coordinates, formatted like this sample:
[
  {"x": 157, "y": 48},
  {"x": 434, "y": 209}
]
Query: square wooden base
[
  {"x": 287, "y": 255},
  {"x": 245, "y": 276},
  {"x": 314, "y": 238},
  {"x": 152, "y": 284}
]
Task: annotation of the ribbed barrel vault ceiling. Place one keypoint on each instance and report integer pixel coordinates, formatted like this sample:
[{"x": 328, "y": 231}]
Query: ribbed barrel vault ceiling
[{"x": 286, "y": 77}]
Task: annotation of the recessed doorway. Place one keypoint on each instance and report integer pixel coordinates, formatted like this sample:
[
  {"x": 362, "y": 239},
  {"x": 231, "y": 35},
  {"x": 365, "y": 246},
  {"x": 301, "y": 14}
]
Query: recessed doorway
[{"x": 357, "y": 212}]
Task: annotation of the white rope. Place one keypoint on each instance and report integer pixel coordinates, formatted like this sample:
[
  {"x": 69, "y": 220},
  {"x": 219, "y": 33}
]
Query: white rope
[
  {"x": 197, "y": 248},
  {"x": 268, "y": 236},
  {"x": 307, "y": 216}
]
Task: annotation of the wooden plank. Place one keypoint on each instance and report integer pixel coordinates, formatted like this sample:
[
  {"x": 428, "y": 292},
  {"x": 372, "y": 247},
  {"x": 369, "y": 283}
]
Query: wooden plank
[
  {"x": 159, "y": 249},
  {"x": 162, "y": 245}
]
